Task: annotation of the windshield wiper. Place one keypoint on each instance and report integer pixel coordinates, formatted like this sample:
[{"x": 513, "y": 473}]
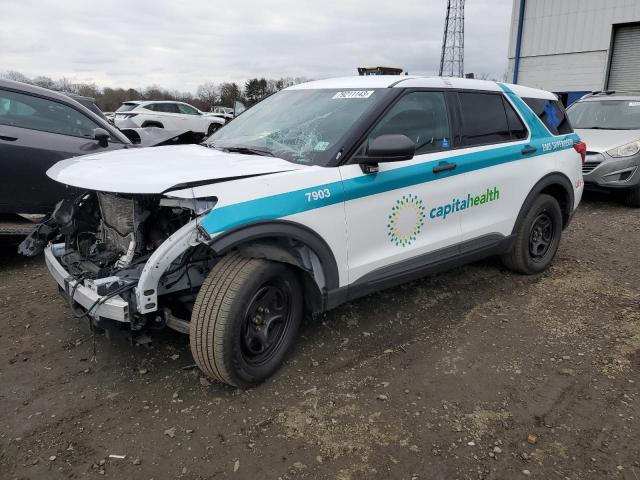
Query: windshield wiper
[{"x": 248, "y": 151}]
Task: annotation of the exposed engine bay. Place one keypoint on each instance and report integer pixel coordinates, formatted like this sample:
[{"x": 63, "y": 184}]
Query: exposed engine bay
[{"x": 108, "y": 238}]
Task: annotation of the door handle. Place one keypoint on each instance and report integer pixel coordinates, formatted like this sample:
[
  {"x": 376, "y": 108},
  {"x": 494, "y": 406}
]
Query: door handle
[
  {"x": 443, "y": 167},
  {"x": 8, "y": 139},
  {"x": 528, "y": 149}
]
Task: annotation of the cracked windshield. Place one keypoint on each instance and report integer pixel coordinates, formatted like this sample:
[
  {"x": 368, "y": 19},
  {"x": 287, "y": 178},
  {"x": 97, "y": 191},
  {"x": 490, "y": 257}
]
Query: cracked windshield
[{"x": 300, "y": 126}]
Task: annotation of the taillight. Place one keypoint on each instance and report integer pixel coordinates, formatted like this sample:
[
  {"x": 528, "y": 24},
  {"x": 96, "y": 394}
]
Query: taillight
[
  {"x": 581, "y": 148},
  {"x": 126, "y": 115}
]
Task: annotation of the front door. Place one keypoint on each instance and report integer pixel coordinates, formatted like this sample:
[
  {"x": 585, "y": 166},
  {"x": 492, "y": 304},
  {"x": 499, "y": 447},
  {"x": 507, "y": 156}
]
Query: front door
[{"x": 403, "y": 215}]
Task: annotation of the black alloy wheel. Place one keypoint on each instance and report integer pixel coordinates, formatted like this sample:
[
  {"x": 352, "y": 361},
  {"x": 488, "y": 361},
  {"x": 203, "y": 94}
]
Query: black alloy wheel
[
  {"x": 266, "y": 322},
  {"x": 540, "y": 236}
]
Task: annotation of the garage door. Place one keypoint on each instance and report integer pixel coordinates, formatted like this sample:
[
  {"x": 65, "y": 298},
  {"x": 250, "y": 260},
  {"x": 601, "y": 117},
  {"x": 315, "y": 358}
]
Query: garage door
[{"x": 624, "y": 72}]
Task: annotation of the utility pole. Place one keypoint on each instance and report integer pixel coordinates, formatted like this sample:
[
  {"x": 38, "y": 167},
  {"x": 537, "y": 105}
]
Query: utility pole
[{"x": 452, "y": 59}]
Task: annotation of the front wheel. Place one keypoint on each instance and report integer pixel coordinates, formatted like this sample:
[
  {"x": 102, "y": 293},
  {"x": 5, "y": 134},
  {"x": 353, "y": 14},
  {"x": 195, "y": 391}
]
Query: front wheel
[
  {"x": 537, "y": 237},
  {"x": 632, "y": 197},
  {"x": 213, "y": 128},
  {"x": 245, "y": 319}
]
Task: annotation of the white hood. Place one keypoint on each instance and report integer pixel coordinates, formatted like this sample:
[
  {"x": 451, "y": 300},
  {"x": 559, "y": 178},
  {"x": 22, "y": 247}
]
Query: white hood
[
  {"x": 158, "y": 169},
  {"x": 603, "y": 140}
]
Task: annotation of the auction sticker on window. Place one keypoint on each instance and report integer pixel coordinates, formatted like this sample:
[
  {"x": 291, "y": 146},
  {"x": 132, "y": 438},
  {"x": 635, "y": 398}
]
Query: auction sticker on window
[
  {"x": 354, "y": 94},
  {"x": 631, "y": 104}
]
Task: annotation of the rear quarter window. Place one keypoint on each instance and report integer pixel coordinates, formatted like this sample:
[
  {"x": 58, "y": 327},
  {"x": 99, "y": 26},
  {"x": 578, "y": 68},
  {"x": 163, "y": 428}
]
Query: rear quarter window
[
  {"x": 125, "y": 107},
  {"x": 552, "y": 114}
]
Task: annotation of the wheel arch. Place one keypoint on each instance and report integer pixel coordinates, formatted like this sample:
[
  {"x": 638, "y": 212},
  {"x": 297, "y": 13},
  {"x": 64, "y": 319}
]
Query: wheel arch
[
  {"x": 559, "y": 187},
  {"x": 218, "y": 125},
  {"x": 152, "y": 123},
  {"x": 287, "y": 242}
]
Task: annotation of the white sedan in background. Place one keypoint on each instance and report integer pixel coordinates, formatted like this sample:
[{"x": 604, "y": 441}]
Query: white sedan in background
[{"x": 171, "y": 115}]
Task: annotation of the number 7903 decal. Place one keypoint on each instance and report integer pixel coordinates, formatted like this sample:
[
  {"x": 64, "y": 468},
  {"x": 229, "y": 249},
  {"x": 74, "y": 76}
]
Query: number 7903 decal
[{"x": 318, "y": 195}]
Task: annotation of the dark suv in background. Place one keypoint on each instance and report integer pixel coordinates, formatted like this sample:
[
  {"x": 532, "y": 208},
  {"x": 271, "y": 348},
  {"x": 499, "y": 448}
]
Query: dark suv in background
[{"x": 39, "y": 127}]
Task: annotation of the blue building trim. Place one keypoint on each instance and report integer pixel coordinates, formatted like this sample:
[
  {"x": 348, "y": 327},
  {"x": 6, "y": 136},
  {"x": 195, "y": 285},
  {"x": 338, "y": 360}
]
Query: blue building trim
[{"x": 516, "y": 64}]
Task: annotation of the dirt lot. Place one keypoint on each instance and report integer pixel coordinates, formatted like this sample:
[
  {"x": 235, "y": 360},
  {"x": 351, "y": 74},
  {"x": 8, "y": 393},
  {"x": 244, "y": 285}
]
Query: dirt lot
[{"x": 444, "y": 378}]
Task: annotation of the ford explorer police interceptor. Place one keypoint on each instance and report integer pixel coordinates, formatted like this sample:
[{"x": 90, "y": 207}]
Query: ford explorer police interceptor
[{"x": 321, "y": 193}]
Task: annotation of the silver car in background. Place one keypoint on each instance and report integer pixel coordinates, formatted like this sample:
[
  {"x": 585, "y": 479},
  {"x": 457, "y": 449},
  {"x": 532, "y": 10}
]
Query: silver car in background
[{"x": 609, "y": 123}]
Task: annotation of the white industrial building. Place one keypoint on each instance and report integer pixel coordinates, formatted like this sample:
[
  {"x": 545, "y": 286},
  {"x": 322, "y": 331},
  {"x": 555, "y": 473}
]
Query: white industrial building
[{"x": 575, "y": 46}]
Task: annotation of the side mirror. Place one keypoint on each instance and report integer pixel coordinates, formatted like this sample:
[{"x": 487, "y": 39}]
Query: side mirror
[
  {"x": 386, "y": 148},
  {"x": 102, "y": 136}
]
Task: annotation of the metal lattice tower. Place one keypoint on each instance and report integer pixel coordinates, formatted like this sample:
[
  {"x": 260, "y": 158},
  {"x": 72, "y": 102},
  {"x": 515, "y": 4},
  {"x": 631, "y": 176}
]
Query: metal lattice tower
[{"x": 452, "y": 59}]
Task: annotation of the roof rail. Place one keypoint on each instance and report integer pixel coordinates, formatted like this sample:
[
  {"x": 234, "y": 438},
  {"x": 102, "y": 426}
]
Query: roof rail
[{"x": 613, "y": 92}]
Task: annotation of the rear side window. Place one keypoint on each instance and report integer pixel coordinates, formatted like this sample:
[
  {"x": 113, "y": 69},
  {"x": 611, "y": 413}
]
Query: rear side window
[
  {"x": 484, "y": 119},
  {"x": 125, "y": 107},
  {"x": 552, "y": 114},
  {"x": 165, "y": 108},
  {"x": 36, "y": 113}
]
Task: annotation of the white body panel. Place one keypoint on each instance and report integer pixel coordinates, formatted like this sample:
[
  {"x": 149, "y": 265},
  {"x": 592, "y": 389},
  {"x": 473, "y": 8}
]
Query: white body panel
[
  {"x": 155, "y": 170},
  {"x": 328, "y": 221},
  {"x": 378, "y": 224}
]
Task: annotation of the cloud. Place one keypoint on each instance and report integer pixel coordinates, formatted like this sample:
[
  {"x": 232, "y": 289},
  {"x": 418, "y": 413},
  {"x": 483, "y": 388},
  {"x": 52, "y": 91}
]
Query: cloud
[{"x": 179, "y": 45}]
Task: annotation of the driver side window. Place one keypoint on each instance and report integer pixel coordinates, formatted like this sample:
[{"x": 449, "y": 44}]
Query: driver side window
[{"x": 421, "y": 116}]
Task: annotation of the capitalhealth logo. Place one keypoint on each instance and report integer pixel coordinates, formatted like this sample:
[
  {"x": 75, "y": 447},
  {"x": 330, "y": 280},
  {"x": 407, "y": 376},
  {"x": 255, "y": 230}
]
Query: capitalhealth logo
[
  {"x": 406, "y": 220},
  {"x": 408, "y": 215},
  {"x": 458, "y": 205}
]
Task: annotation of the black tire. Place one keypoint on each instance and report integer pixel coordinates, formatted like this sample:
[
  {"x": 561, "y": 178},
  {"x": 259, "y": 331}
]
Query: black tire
[
  {"x": 213, "y": 128},
  {"x": 632, "y": 197},
  {"x": 537, "y": 237},
  {"x": 227, "y": 328}
]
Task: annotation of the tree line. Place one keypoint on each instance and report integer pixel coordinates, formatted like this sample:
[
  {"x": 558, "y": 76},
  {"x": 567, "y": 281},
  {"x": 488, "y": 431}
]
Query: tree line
[{"x": 207, "y": 95}]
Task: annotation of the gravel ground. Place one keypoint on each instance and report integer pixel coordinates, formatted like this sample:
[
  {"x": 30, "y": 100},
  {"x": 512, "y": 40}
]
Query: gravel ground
[{"x": 475, "y": 373}]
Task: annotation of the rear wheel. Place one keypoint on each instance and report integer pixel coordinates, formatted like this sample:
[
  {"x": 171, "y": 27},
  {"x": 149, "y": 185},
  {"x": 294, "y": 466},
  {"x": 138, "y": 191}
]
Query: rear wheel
[
  {"x": 537, "y": 237},
  {"x": 245, "y": 319},
  {"x": 632, "y": 197}
]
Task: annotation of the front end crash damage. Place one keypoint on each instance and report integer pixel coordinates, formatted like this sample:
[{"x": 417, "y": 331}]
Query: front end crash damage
[{"x": 129, "y": 258}]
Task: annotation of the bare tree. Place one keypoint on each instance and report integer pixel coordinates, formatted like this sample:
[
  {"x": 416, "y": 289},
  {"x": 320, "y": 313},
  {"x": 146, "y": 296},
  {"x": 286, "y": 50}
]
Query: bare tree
[
  {"x": 15, "y": 76},
  {"x": 207, "y": 93}
]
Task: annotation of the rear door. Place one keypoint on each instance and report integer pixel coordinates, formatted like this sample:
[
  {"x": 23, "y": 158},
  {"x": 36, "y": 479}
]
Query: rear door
[
  {"x": 398, "y": 217},
  {"x": 35, "y": 133},
  {"x": 496, "y": 161},
  {"x": 170, "y": 116}
]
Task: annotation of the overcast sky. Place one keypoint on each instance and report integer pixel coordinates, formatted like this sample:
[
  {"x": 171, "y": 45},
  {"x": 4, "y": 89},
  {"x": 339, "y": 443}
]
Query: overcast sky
[{"x": 180, "y": 44}]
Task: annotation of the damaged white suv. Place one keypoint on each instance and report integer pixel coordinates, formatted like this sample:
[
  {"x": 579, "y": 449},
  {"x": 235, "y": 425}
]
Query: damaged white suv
[{"x": 321, "y": 193}]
